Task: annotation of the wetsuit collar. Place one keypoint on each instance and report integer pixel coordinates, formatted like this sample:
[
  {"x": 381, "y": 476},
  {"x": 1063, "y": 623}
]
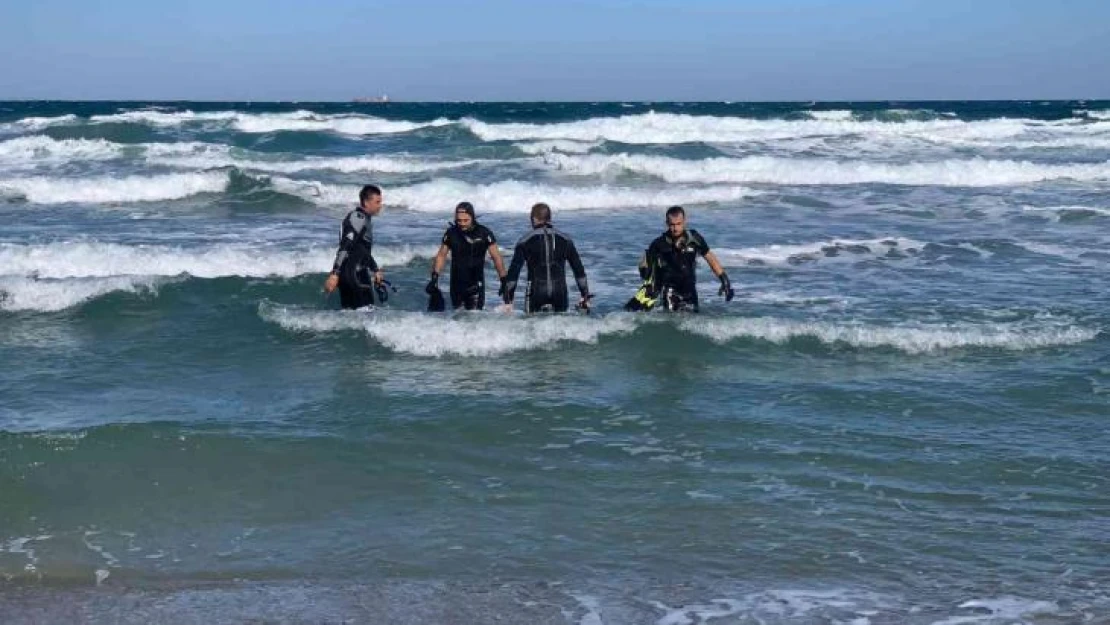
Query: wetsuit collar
[{"x": 673, "y": 240}]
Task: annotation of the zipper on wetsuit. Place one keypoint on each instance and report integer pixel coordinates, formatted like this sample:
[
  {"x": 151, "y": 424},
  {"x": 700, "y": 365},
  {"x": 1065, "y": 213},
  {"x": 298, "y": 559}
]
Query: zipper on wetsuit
[{"x": 548, "y": 251}]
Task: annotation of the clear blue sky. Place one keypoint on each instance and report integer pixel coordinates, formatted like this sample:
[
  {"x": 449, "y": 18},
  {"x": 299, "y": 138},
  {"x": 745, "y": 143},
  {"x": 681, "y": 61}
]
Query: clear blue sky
[{"x": 555, "y": 49}]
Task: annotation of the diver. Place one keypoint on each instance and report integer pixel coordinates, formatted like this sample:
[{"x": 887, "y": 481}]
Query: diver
[
  {"x": 668, "y": 268},
  {"x": 467, "y": 242},
  {"x": 355, "y": 271},
  {"x": 546, "y": 251}
]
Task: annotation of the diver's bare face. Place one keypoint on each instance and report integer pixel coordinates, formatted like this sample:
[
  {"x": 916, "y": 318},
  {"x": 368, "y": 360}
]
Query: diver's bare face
[
  {"x": 464, "y": 220},
  {"x": 372, "y": 205},
  {"x": 676, "y": 225}
]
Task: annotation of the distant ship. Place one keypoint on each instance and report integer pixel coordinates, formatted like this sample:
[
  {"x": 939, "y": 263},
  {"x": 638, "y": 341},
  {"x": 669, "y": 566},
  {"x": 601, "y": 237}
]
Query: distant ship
[{"x": 378, "y": 99}]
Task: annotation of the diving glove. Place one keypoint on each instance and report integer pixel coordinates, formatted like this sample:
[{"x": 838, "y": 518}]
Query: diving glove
[
  {"x": 433, "y": 284},
  {"x": 726, "y": 288},
  {"x": 382, "y": 289}
]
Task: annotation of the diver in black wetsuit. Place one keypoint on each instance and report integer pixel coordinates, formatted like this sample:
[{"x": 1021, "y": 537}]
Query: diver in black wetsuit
[
  {"x": 668, "y": 267},
  {"x": 355, "y": 271},
  {"x": 547, "y": 251},
  {"x": 467, "y": 242}
]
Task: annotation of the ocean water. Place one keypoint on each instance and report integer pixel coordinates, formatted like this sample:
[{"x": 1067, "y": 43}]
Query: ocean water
[{"x": 903, "y": 417}]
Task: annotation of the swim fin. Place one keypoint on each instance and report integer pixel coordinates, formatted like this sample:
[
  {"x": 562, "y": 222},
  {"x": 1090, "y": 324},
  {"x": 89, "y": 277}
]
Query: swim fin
[
  {"x": 435, "y": 300},
  {"x": 644, "y": 299}
]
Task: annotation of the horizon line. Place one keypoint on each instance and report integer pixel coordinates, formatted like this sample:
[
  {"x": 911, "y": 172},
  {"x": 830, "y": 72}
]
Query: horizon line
[{"x": 602, "y": 101}]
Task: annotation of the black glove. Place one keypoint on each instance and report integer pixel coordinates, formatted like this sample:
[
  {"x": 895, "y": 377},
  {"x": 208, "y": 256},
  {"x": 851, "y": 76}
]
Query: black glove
[
  {"x": 585, "y": 303},
  {"x": 501, "y": 289},
  {"x": 433, "y": 284},
  {"x": 383, "y": 291},
  {"x": 726, "y": 287}
]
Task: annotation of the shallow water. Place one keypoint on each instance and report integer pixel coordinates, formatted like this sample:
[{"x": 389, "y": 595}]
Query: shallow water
[{"x": 902, "y": 418}]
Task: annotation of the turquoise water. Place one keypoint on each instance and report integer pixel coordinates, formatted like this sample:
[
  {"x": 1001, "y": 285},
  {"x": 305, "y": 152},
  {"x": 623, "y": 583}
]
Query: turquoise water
[{"x": 902, "y": 418}]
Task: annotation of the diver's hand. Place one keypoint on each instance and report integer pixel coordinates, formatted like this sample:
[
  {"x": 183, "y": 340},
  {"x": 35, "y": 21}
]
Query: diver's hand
[
  {"x": 379, "y": 277},
  {"x": 501, "y": 289},
  {"x": 584, "y": 303},
  {"x": 726, "y": 287},
  {"x": 331, "y": 282},
  {"x": 433, "y": 284}
]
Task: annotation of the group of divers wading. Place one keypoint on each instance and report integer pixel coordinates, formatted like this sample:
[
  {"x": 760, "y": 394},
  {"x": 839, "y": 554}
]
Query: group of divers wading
[{"x": 667, "y": 266}]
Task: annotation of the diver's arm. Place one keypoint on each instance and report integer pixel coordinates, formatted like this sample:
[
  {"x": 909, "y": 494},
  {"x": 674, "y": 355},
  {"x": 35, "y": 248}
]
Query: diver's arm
[
  {"x": 579, "y": 271},
  {"x": 440, "y": 259},
  {"x": 719, "y": 271},
  {"x": 498, "y": 262},
  {"x": 437, "y": 266},
  {"x": 643, "y": 267},
  {"x": 511, "y": 276},
  {"x": 714, "y": 264},
  {"x": 346, "y": 240},
  {"x": 347, "y": 237}
]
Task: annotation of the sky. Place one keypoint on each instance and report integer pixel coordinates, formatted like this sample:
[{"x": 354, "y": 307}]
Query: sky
[{"x": 501, "y": 50}]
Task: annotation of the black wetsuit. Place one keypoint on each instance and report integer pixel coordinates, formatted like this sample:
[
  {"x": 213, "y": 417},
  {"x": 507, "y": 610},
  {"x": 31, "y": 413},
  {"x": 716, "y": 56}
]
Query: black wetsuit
[
  {"x": 670, "y": 266},
  {"x": 547, "y": 251},
  {"x": 468, "y": 264},
  {"x": 354, "y": 262}
]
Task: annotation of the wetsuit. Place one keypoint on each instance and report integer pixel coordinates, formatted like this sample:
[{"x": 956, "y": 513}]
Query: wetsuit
[
  {"x": 354, "y": 263},
  {"x": 468, "y": 264},
  {"x": 668, "y": 265},
  {"x": 547, "y": 251}
]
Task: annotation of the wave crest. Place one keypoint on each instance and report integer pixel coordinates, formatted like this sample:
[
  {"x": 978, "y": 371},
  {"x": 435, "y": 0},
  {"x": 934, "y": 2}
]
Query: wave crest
[
  {"x": 913, "y": 339},
  {"x": 437, "y": 336}
]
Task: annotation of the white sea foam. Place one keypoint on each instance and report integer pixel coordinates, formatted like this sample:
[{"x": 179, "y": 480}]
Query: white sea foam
[
  {"x": 40, "y": 148},
  {"x": 914, "y": 339},
  {"x": 91, "y": 259},
  {"x": 163, "y": 118},
  {"x": 835, "y": 116},
  {"x": 436, "y": 335},
  {"x": 1069, "y": 209},
  {"x": 302, "y": 120},
  {"x": 663, "y": 128},
  {"x": 21, "y": 545},
  {"x": 19, "y": 293},
  {"x": 37, "y": 149},
  {"x": 347, "y": 164},
  {"x": 1001, "y": 610},
  {"x": 110, "y": 190},
  {"x": 976, "y": 172},
  {"x": 31, "y": 124},
  {"x": 343, "y": 124},
  {"x": 564, "y": 146},
  {"x": 778, "y": 606},
  {"x": 52, "y": 277},
  {"x": 794, "y": 253},
  {"x": 515, "y": 196}
]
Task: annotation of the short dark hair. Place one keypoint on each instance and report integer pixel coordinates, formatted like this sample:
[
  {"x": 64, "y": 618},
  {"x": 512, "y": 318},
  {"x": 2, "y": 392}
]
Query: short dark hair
[
  {"x": 541, "y": 212},
  {"x": 675, "y": 211},
  {"x": 465, "y": 207},
  {"x": 368, "y": 192}
]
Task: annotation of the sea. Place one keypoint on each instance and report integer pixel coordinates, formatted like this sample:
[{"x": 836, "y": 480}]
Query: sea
[{"x": 902, "y": 418}]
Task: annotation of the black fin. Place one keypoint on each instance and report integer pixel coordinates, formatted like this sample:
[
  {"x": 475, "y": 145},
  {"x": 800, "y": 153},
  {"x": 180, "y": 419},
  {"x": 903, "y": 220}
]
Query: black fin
[{"x": 435, "y": 301}]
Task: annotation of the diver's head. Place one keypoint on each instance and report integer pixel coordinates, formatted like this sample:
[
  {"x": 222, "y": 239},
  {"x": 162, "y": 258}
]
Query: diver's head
[
  {"x": 464, "y": 215},
  {"x": 370, "y": 199},
  {"x": 676, "y": 221},
  {"x": 541, "y": 214}
]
